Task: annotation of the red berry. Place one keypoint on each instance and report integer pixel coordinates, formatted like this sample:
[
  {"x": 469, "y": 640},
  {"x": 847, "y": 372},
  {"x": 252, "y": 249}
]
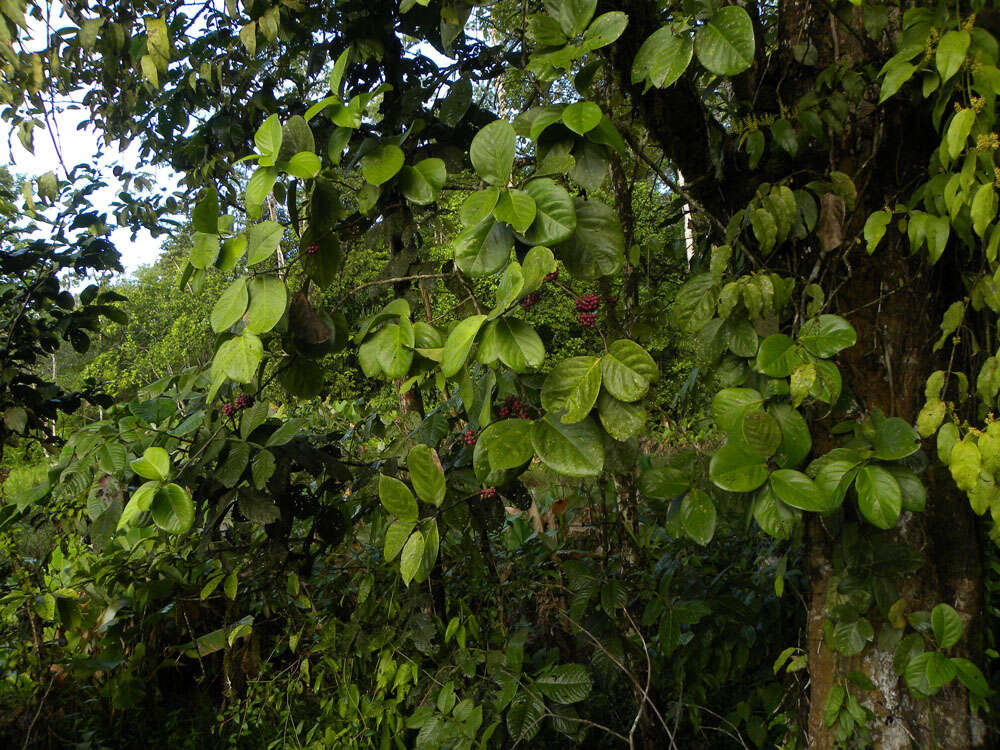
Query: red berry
[
  {"x": 312, "y": 249},
  {"x": 228, "y": 409},
  {"x": 528, "y": 302},
  {"x": 587, "y": 319},
  {"x": 469, "y": 437},
  {"x": 243, "y": 401},
  {"x": 552, "y": 276},
  {"x": 488, "y": 492}
]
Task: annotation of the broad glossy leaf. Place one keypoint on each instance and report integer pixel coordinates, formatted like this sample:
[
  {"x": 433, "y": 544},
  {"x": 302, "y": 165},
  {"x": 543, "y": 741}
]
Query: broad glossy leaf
[
  {"x": 173, "y": 509},
  {"x": 773, "y": 516},
  {"x": 567, "y": 683},
  {"x": 153, "y": 464},
  {"x": 411, "y": 557},
  {"x": 539, "y": 262},
  {"x": 507, "y": 444},
  {"x": 730, "y": 404},
  {"x": 395, "y": 537},
  {"x": 459, "y": 343},
  {"x": 422, "y": 183},
  {"x": 698, "y": 516},
  {"x": 582, "y": 117},
  {"x": 268, "y": 300},
  {"x": 758, "y": 433},
  {"x": 479, "y": 205},
  {"x": 382, "y": 163},
  {"x": 597, "y": 246},
  {"x": 573, "y": 16},
  {"x": 778, "y": 356},
  {"x": 555, "y": 215},
  {"x": 515, "y": 207},
  {"x": 230, "y": 306},
  {"x": 619, "y": 419},
  {"x": 879, "y": 496},
  {"x": 662, "y": 58},
  {"x": 575, "y": 450},
  {"x": 572, "y": 387},
  {"x": 204, "y": 249},
  {"x": 735, "y": 470},
  {"x": 239, "y": 357},
  {"x": 492, "y": 152},
  {"x": 426, "y": 474},
  {"x": 825, "y": 335},
  {"x": 797, "y": 490},
  {"x": 262, "y": 240},
  {"x": 894, "y": 439},
  {"x": 950, "y": 53},
  {"x": 397, "y": 498},
  {"x": 796, "y": 440},
  {"x": 518, "y": 344},
  {"x": 664, "y": 483},
  {"x": 725, "y": 45},
  {"x": 628, "y": 370},
  {"x": 946, "y": 625},
  {"x": 484, "y": 248}
]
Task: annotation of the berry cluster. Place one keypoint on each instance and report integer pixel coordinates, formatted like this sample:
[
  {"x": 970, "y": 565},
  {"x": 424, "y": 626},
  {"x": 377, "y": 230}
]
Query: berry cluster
[
  {"x": 529, "y": 302},
  {"x": 312, "y": 249},
  {"x": 552, "y": 276},
  {"x": 513, "y": 407},
  {"x": 488, "y": 492},
  {"x": 243, "y": 401},
  {"x": 469, "y": 437},
  {"x": 587, "y": 306}
]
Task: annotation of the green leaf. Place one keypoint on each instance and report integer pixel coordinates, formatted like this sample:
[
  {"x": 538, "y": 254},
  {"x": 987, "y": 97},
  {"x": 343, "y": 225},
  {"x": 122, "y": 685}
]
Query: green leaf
[
  {"x": 984, "y": 208},
  {"x": 232, "y": 250},
  {"x": 575, "y": 450},
  {"x": 970, "y": 676},
  {"x": 773, "y": 516},
  {"x": 484, "y": 248},
  {"x": 154, "y": 464},
  {"x": 539, "y": 262},
  {"x": 834, "y": 700},
  {"x": 507, "y": 444},
  {"x": 879, "y": 496},
  {"x": 492, "y": 152},
  {"x": 778, "y": 356},
  {"x": 173, "y": 509},
  {"x": 397, "y": 498},
  {"x": 628, "y": 370},
  {"x": 515, "y": 207},
  {"x": 479, "y": 205},
  {"x": 518, "y": 344},
  {"x": 268, "y": 139},
  {"x": 730, "y": 404},
  {"x": 230, "y": 306},
  {"x": 597, "y": 246},
  {"x": 759, "y": 433},
  {"x": 205, "y": 217},
  {"x": 850, "y": 638},
  {"x": 238, "y": 357},
  {"x": 304, "y": 165},
  {"x": 382, "y": 163},
  {"x": 262, "y": 240},
  {"x": 898, "y": 74},
  {"x": 258, "y": 188},
  {"x": 508, "y": 290},
  {"x": 928, "y": 672},
  {"x": 412, "y": 557},
  {"x": 946, "y": 625},
  {"x": 894, "y": 439},
  {"x": 204, "y": 249},
  {"x": 268, "y": 300},
  {"x": 284, "y": 433},
  {"x": 735, "y": 470},
  {"x": 825, "y": 335},
  {"x": 725, "y": 45},
  {"x": 698, "y": 516},
  {"x": 555, "y": 214},
  {"x": 395, "y": 537},
  {"x": 567, "y": 683},
  {"x": 951, "y": 53},
  {"x": 662, "y": 58},
  {"x": 875, "y": 228},
  {"x": 426, "y": 474},
  {"x": 958, "y": 131},
  {"x": 582, "y": 117},
  {"x": 457, "y": 103},
  {"x": 664, "y": 483},
  {"x": 139, "y": 503},
  {"x": 573, "y": 16},
  {"x": 572, "y": 387},
  {"x": 797, "y": 490},
  {"x": 422, "y": 183},
  {"x": 459, "y": 343},
  {"x": 619, "y": 419},
  {"x": 604, "y": 30},
  {"x": 796, "y": 440}
]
